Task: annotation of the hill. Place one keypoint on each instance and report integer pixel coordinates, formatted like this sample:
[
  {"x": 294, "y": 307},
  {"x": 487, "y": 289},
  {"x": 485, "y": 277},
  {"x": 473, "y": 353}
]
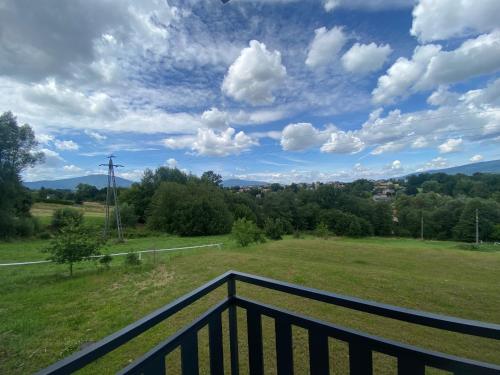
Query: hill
[
  {"x": 492, "y": 166},
  {"x": 97, "y": 180},
  {"x": 242, "y": 183}
]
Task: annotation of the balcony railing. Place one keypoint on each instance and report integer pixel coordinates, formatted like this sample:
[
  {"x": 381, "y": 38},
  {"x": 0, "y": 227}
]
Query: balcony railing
[{"x": 410, "y": 359}]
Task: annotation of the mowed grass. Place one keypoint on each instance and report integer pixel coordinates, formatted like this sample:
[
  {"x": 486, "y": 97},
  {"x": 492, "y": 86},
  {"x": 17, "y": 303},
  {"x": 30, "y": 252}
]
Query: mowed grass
[
  {"x": 93, "y": 212},
  {"x": 45, "y": 315}
]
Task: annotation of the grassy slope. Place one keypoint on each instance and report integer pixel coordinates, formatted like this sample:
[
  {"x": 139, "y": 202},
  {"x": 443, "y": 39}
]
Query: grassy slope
[{"x": 44, "y": 315}]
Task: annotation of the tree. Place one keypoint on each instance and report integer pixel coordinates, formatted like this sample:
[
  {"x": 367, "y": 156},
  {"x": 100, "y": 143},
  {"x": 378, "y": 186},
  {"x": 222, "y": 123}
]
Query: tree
[
  {"x": 212, "y": 178},
  {"x": 274, "y": 229},
  {"x": 64, "y": 217},
  {"x": 74, "y": 244},
  {"x": 127, "y": 216},
  {"x": 193, "y": 209},
  {"x": 17, "y": 152},
  {"x": 246, "y": 232}
]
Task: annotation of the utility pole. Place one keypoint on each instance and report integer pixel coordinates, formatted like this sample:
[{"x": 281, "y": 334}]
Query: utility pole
[
  {"x": 421, "y": 225},
  {"x": 112, "y": 195},
  {"x": 477, "y": 226}
]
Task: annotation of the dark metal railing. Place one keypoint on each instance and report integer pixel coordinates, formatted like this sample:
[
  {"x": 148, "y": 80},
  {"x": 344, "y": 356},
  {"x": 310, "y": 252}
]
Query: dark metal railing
[{"x": 410, "y": 359}]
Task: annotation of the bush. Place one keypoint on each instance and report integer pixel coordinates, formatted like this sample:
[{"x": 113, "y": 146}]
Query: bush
[
  {"x": 66, "y": 217},
  {"x": 25, "y": 226},
  {"x": 246, "y": 232},
  {"x": 274, "y": 229},
  {"x": 322, "y": 230},
  {"x": 127, "y": 216},
  {"x": 106, "y": 260},
  {"x": 132, "y": 259}
]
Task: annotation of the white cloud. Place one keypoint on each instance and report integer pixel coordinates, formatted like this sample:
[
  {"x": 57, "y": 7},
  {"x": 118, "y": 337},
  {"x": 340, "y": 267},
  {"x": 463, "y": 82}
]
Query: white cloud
[
  {"x": 436, "y": 163},
  {"x": 403, "y": 74},
  {"x": 396, "y": 165},
  {"x": 365, "y": 58},
  {"x": 366, "y": 5},
  {"x": 254, "y": 75},
  {"x": 209, "y": 142},
  {"x": 442, "y": 19},
  {"x": 73, "y": 169},
  {"x": 430, "y": 67},
  {"x": 325, "y": 46},
  {"x": 343, "y": 142},
  {"x": 451, "y": 145},
  {"x": 215, "y": 119},
  {"x": 44, "y": 138},
  {"x": 476, "y": 158},
  {"x": 66, "y": 145},
  {"x": 171, "y": 163},
  {"x": 95, "y": 135},
  {"x": 301, "y": 136},
  {"x": 68, "y": 101}
]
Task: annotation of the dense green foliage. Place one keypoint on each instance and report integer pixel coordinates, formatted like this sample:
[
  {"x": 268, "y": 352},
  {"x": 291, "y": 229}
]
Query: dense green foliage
[
  {"x": 64, "y": 217},
  {"x": 246, "y": 232},
  {"x": 17, "y": 152}
]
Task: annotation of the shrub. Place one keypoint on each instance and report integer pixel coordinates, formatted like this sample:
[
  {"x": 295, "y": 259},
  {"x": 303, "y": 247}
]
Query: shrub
[
  {"x": 127, "y": 216},
  {"x": 106, "y": 260},
  {"x": 322, "y": 230},
  {"x": 132, "y": 259},
  {"x": 246, "y": 232},
  {"x": 274, "y": 229},
  {"x": 66, "y": 217},
  {"x": 25, "y": 226}
]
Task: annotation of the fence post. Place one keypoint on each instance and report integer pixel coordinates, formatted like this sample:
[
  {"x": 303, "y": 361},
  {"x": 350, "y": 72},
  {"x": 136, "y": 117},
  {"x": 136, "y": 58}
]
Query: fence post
[{"x": 233, "y": 327}]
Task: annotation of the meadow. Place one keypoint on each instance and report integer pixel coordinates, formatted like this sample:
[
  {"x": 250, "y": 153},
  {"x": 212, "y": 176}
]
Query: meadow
[{"x": 45, "y": 315}]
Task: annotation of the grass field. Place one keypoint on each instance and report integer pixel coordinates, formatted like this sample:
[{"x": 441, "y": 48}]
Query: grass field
[
  {"x": 45, "y": 315},
  {"x": 93, "y": 211}
]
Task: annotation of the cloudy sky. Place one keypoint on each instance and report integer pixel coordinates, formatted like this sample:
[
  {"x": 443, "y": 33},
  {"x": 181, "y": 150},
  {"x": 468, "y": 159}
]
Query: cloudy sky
[{"x": 275, "y": 90}]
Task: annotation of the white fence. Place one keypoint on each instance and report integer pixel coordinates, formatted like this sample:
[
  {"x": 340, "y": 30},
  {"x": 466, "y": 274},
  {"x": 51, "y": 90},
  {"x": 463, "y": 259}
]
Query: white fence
[{"x": 218, "y": 245}]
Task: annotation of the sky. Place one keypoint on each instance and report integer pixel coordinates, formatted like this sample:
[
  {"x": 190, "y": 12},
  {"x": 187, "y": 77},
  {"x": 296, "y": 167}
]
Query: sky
[{"x": 277, "y": 90}]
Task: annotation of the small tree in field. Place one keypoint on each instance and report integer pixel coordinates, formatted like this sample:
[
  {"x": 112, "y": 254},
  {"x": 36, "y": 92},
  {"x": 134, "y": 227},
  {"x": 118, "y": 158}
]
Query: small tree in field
[
  {"x": 322, "y": 230},
  {"x": 246, "y": 232},
  {"x": 74, "y": 244}
]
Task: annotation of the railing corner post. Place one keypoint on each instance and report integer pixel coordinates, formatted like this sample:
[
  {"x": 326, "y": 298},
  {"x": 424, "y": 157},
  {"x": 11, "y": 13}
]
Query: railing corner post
[{"x": 233, "y": 325}]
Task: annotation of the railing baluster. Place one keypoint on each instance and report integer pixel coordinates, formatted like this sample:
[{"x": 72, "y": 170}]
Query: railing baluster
[
  {"x": 284, "y": 348},
  {"x": 156, "y": 367},
  {"x": 360, "y": 359},
  {"x": 318, "y": 352},
  {"x": 233, "y": 328},
  {"x": 189, "y": 355},
  {"x": 215, "y": 346},
  {"x": 410, "y": 366},
  {"x": 255, "y": 352}
]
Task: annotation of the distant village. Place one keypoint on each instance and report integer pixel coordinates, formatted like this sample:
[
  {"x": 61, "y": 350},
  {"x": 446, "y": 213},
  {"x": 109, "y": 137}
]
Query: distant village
[{"x": 383, "y": 190}]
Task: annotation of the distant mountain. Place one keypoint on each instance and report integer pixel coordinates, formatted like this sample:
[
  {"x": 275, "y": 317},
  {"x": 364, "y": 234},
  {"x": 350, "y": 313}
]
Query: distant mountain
[
  {"x": 242, "y": 183},
  {"x": 97, "y": 180},
  {"x": 492, "y": 166}
]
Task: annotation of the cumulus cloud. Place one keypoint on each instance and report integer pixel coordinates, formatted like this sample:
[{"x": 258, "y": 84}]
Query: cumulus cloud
[
  {"x": 215, "y": 119},
  {"x": 66, "y": 145},
  {"x": 209, "y": 142},
  {"x": 435, "y": 163},
  {"x": 365, "y": 58},
  {"x": 171, "y": 163},
  {"x": 325, "y": 46},
  {"x": 343, "y": 142},
  {"x": 476, "y": 158},
  {"x": 254, "y": 75},
  {"x": 430, "y": 67},
  {"x": 301, "y": 136},
  {"x": 451, "y": 145},
  {"x": 442, "y": 19}
]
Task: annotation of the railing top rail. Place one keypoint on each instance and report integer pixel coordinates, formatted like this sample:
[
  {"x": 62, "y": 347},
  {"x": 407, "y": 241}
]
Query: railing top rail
[
  {"x": 471, "y": 327},
  {"x": 79, "y": 359}
]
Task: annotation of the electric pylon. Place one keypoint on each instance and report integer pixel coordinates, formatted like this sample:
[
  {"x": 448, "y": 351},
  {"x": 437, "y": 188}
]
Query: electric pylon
[{"x": 112, "y": 195}]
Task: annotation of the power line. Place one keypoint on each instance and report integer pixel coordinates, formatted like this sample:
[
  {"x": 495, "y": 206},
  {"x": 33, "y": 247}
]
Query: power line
[{"x": 111, "y": 194}]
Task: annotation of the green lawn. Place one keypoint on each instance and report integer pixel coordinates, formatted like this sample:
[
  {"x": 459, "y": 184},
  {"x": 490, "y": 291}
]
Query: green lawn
[{"x": 45, "y": 315}]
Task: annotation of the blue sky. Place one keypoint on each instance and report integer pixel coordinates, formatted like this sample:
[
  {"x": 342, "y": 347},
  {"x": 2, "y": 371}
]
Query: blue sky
[{"x": 272, "y": 90}]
